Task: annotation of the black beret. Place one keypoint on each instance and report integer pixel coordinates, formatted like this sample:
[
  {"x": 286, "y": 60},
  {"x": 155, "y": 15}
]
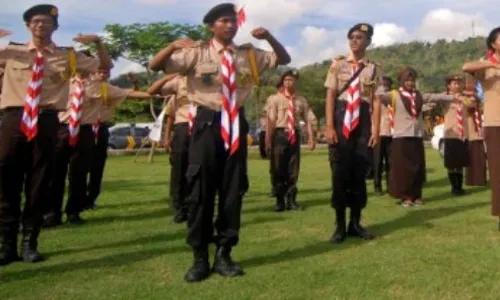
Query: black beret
[
  {"x": 223, "y": 9},
  {"x": 41, "y": 9},
  {"x": 363, "y": 27},
  {"x": 492, "y": 37},
  {"x": 293, "y": 73}
]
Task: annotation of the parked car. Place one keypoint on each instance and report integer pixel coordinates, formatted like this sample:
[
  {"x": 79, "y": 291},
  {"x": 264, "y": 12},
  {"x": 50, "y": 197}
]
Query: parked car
[{"x": 119, "y": 133}]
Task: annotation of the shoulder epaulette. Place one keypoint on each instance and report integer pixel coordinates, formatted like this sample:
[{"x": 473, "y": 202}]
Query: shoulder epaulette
[
  {"x": 339, "y": 57},
  {"x": 17, "y": 44},
  {"x": 65, "y": 48},
  {"x": 245, "y": 46}
]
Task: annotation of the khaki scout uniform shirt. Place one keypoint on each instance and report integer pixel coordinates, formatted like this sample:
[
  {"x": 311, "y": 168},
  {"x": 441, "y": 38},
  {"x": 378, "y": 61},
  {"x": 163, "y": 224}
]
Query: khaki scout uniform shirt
[
  {"x": 278, "y": 110},
  {"x": 341, "y": 71},
  {"x": 472, "y": 133},
  {"x": 490, "y": 80},
  {"x": 178, "y": 106},
  {"x": 201, "y": 65},
  {"x": 18, "y": 60},
  {"x": 115, "y": 97},
  {"x": 451, "y": 122},
  {"x": 404, "y": 124},
  {"x": 91, "y": 107}
]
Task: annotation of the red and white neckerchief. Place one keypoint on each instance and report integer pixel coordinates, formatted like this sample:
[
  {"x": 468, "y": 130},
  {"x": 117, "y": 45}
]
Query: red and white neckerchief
[
  {"x": 29, "y": 123},
  {"x": 460, "y": 120},
  {"x": 351, "y": 118},
  {"x": 412, "y": 97},
  {"x": 290, "y": 116},
  {"x": 191, "y": 115},
  {"x": 477, "y": 122},
  {"x": 230, "y": 123},
  {"x": 491, "y": 56},
  {"x": 390, "y": 113},
  {"x": 75, "y": 111}
]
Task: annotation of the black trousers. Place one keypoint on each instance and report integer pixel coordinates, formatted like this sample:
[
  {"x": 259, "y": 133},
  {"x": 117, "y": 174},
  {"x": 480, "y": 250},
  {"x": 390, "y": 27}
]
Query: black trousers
[
  {"x": 25, "y": 164},
  {"x": 179, "y": 164},
  {"x": 286, "y": 162},
  {"x": 78, "y": 159},
  {"x": 349, "y": 159},
  {"x": 213, "y": 171},
  {"x": 99, "y": 156},
  {"x": 381, "y": 160}
]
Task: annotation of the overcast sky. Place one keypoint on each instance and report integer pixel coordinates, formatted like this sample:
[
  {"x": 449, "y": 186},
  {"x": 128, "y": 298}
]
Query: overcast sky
[{"x": 312, "y": 30}]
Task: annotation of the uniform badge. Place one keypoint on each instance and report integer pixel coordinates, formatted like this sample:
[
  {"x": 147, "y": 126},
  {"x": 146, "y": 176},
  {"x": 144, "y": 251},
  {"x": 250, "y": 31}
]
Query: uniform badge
[
  {"x": 207, "y": 78},
  {"x": 364, "y": 27},
  {"x": 54, "y": 11}
]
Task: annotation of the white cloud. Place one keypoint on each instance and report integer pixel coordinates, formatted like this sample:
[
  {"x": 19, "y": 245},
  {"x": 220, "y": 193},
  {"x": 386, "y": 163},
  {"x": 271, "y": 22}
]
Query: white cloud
[
  {"x": 447, "y": 24},
  {"x": 387, "y": 34}
]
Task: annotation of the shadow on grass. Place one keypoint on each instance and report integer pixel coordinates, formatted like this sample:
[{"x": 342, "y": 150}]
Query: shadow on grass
[
  {"x": 447, "y": 195},
  {"x": 134, "y": 203},
  {"x": 160, "y": 237},
  {"x": 304, "y": 203},
  {"x": 131, "y": 184},
  {"x": 435, "y": 183},
  {"x": 412, "y": 219}
]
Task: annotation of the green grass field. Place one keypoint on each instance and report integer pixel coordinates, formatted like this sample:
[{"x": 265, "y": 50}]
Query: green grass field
[{"x": 446, "y": 249}]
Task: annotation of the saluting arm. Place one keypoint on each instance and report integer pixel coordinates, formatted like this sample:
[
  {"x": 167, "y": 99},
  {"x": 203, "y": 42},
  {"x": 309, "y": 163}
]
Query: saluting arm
[
  {"x": 283, "y": 58},
  {"x": 156, "y": 87},
  {"x": 140, "y": 95},
  {"x": 158, "y": 61},
  {"x": 477, "y": 66}
]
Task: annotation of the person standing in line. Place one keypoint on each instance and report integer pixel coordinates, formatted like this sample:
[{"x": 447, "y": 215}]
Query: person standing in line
[
  {"x": 180, "y": 115},
  {"x": 352, "y": 130},
  {"x": 219, "y": 80},
  {"x": 285, "y": 111},
  {"x": 407, "y": 153},
  {"x": 35, "y": 88},
  {"x": 382, "y": 152},
  {"x": 487, "y": 71}
]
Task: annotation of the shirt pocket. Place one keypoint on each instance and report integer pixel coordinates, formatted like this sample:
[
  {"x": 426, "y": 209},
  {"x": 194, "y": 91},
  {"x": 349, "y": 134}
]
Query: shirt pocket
[
  {"x": 367, "y": 85},
  {"x": 207, "y": 75},
  {"x": 342, "y": 80},
  {"x": 244, "y": 76},
  {"x": 19, "y": 70}
]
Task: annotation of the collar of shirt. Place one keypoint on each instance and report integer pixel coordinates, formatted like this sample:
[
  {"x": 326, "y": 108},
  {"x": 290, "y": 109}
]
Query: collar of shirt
[
  {"x": 350, "y": 59},
  {"x": 50, "y": 47},
  {"x": 219, "y": 47}
]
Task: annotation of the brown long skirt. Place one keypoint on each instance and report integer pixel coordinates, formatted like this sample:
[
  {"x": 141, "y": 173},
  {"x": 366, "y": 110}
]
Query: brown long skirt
[
  {"x": 407, "y": 168},
  {"x": 475, "y": 174},
  {"x": 492, "y": 139}
]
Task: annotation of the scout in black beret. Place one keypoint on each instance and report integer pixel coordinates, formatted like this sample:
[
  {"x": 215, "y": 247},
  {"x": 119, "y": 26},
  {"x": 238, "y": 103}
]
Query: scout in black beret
[
  {"x": 42, "y": 9},
  {"x": 363, "y": 27},
  {"x": 223, "y": 9},
  {"x": 292, "y": 73}
]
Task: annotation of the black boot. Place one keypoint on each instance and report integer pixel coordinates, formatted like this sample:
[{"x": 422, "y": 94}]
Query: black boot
[
  {"x": 291, "y": 200},
  {"x": 224, "y": 265},
  {"x": 51, "y": 220},
  {"x": 200, "y": 270},
  {"x": 339, "y": 235},
  {"x": 75, "y": 219},
  {"x": 181, "y": 216},
  {"x": 355, "y": 228},
  {"x": 451, "y": 177},
  {"x": 459, "y": 180},
  {"x": 273, "y": 192},
  {"x": 29, "y": 244},
  {"x": 280, "y": 204},
  {"x": 8, "y": 247}
]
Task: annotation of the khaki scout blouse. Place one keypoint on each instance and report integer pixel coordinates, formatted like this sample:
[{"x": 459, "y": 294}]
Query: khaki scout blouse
[{"x": 404, "y": 124}]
